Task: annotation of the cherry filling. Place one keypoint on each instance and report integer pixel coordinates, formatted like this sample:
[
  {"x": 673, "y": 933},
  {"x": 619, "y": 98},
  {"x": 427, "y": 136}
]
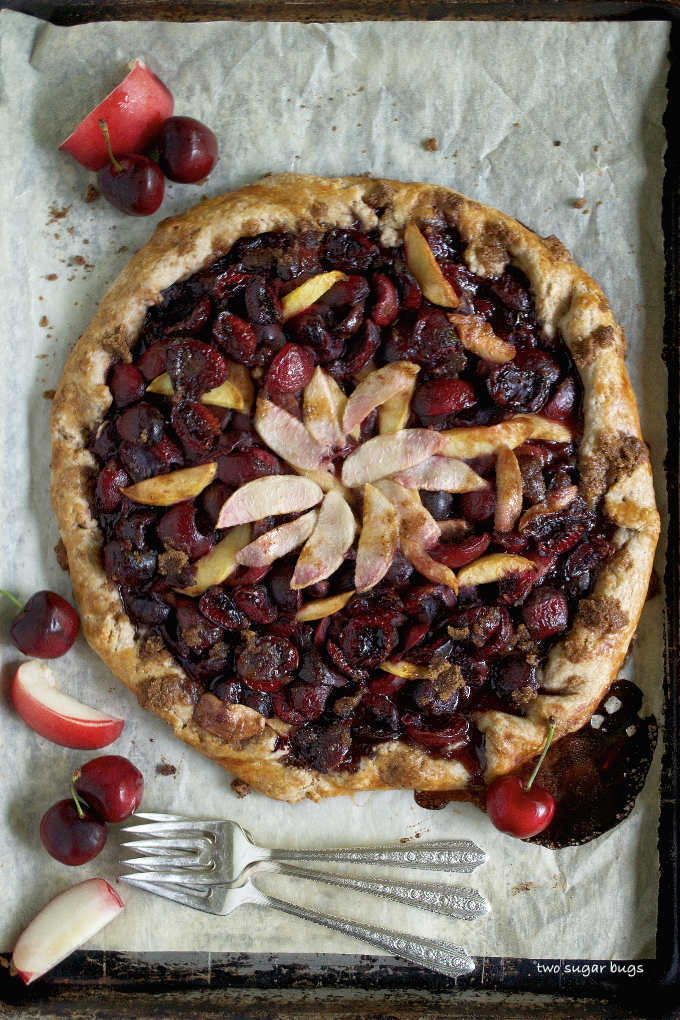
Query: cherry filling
[{"x": 407, "y": 659}]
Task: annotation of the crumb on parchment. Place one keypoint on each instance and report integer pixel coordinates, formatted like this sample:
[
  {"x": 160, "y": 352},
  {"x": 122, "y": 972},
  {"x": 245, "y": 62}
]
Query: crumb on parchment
[
  {"x": 60, "y": 548},
  {"x": 57, "y": 214},
  {"x": 522, "y": 887}
]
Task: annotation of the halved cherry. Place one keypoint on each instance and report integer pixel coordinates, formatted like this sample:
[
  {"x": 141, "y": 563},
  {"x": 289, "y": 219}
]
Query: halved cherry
[{"x": 457, "y": 554}]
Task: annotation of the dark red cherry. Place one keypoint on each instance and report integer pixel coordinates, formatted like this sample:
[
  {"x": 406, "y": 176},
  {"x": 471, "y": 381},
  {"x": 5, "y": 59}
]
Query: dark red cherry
[
  {"x": 132, "y": 183},
  {"x": 290, "y": 371},
  {"x": 478, "y": 505},
  {"x": 443, "y": 396},
  {"x": 178, "y": 529},
  {"x": 71, "y": 833},
  {"x": 386, "y": 307},
  {"x": 112, "y": 478},
  {"x": 46, "y": 627},
  {"x": 111, "y": 785},
  {"x": 457, "y": 554},
  {"x": 545, "y": 612},
  {"x": 187, "y": 150},
  {"x": 126, "y": 383},
  {"x": 521, "y": 809}
]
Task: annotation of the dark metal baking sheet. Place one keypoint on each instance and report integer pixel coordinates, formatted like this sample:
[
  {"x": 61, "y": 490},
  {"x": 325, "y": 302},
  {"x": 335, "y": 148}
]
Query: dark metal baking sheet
[{"x": 206, "y": 985}]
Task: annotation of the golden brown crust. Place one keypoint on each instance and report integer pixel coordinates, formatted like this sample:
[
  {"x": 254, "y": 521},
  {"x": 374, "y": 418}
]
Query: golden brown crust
[{"x": 613, "y": 464}]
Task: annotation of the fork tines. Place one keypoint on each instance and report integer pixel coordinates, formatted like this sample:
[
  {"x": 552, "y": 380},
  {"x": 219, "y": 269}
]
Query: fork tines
[{"x": 170, "y": 841}]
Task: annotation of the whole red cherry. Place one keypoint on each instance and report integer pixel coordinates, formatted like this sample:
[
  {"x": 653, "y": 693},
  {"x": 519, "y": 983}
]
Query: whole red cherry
[
  {"x": 187, "y": 150},
  {"x": 111, "y": 785},
  {"x": 132, "y": 183},
  {"x": 521, "y": 809},
  {"x": 71, "y": 833},
  {"x": 46, "y": 627}
]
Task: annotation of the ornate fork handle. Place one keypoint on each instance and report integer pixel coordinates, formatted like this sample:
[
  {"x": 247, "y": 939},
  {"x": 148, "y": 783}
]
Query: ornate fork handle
[
  {"x": 447, "y": 855},
  {"x": 431, "y": 953},
  {"x": 451, "y": 900}
]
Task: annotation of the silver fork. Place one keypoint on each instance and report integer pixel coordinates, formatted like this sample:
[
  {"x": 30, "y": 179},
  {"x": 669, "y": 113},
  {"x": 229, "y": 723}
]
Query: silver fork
[
  {"x": 207, "y": 854},
  {"x": 222, "y": 899},
  {"x": 227, "y": 845},
  {"x": 197, "y": 861},
  {"x": 212, "y": 865}
]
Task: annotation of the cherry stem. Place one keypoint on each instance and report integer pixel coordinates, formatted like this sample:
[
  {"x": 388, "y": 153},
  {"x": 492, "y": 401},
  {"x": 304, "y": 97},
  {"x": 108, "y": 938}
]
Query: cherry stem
[
  {"x": 118, "y": 167},
  {"x": 548, "y": 742},
  {"x": 11, "y": 598},
  {"x": 79, "y": 807}
]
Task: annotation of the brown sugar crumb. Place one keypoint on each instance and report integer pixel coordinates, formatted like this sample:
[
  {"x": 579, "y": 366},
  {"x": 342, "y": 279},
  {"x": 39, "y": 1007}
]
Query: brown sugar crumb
[
  {"x": 115, "y": 342},
  {"x": 523, "y": 640},
  {"x": 627, "y": 453},
  {"x": 164, "y": 768},
  {"x": 80, "y": 260},
  {"x": 49, "y": 394},
  {"x": 448, "y": 679},
  {"x": 220, "y": 650},
  {"x": 51, "y": 276},
  {"x": 523, "y": 695},
  {"x": 579, "y": 203},
  {"x": 430, "y": 144},
  {"x": 522, "y": 887},
  {"x": 92, "y": 194},
  {"x": 193, "y": 636},
  {"x": 44, "y": 321},
  {"x": 602, "y": 613},
  {"x": 576, "y": 650},
  {"x": 150, "y": 646},
  {"x": 60, "y": 553},
  {"x": 605, "y": 336},
  {"x": 343, "y": 706},
  {"x": 57, "y": 214},
  {"x": 615, "y": 456},
  {"x": 585, "y": 348},
  {"x": 240, "y": 788},
  {"x": 458, "y": 633},
  {"x": 123, "y": 248}
]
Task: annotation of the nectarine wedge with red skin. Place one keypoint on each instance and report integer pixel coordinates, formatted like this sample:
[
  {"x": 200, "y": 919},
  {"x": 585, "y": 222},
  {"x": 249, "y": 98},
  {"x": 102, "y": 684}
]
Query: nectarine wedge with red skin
[
  {"x": 134, "y": 111},
  {"x": 57, "y": 716},
  {"x": 63, "y": 925}
]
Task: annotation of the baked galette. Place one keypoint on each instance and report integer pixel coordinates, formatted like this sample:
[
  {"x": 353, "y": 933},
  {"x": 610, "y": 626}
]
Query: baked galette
[{"x": 351, "y": 481}]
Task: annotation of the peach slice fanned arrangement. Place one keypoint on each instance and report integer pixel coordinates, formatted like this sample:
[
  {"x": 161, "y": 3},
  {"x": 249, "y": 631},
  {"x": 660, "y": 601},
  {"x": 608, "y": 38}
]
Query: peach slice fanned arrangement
[
  {"x": 346, "y": 469},
  {"x": 410, "y": 457}
]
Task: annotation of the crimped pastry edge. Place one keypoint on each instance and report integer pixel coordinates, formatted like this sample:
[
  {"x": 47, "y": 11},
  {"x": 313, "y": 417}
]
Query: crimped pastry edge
[{"x": 580, "y": 667}]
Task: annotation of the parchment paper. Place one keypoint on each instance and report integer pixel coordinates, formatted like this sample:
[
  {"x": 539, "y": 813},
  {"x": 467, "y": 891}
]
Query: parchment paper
[{"x": 527, "y": 117}]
